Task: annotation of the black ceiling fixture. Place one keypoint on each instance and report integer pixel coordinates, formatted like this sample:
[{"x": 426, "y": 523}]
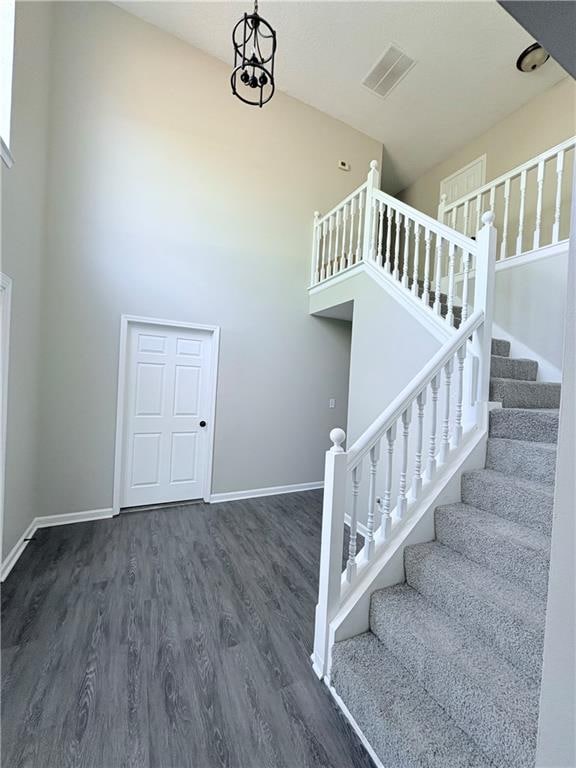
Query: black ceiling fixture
[
  {"x": 254, "y": 43},
  {"x": 532, "y": 58}
]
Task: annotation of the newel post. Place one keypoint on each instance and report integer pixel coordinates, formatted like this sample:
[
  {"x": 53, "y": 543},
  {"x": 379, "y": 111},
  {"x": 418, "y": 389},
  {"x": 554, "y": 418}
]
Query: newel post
[
  {"x": 442, "y": 208},
  {"x": 331, "y": 549},
  {"x": 484, "y": 300},
  {"x": 373, "y": 182},
  {"x": 315, "y": 269}
]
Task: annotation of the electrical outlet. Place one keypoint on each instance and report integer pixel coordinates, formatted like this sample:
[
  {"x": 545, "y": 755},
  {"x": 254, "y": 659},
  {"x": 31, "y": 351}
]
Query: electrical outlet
[
  {"x": 332, "y": 403},
  {"x": 343, "y": 165}
]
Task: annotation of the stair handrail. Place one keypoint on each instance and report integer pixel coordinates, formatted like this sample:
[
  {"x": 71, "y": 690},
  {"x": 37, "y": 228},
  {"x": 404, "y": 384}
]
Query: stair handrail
[
  {"x": 507, "y": 195},
  {"x": 412, "y": 250},
  {"x": 409, "y": 394},
  {"x": 429, "y": 222},
  {"x": 516, "y": 171},
  {"x": 467, "y": 350}
]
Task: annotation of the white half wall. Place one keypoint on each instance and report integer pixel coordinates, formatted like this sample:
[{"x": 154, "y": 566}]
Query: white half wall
[
  {"x": 556, "y": 734},
  {"x": 530, "y": 308}
]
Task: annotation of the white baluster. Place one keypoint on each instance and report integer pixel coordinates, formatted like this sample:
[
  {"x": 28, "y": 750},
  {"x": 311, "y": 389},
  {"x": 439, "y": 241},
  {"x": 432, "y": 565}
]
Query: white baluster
[
  {"x": 351, "y": 258},
  {"x": 558, "y": 205},
  {"x": 450, "y": 299},
  {"x": 352, "y": 544},
  {"x": 504, "y": 243},
  {"x": 540, "y": 183},
  {"x": 402, "y": 499},
  {"x": 454, "y": 217},
  {"x": 435, "y": 386},
  {"x": 442, "y": 208},
  {"x": 478, "y": 210},
  {"x": 492, "y": 198},
  {"x": 374, "y": 459},
  {"x": 465, "y": 278},
  {"x": 336, "y": 261},
  {"x": 386, "y": 501},
  {"x": 438, "y": 274},
  {"x": 416, "y": 258},
  {"x": 420, "y": 403},
  {"x": 461, "y": 357},
  {"x": 330, "y": 266},
  {"x": 445, "y": 444},
  {"x": 465, "y": 230},
  {"x": 359, "y": 254},
  {"x": 324, "y": 248},
  {"x": 379, "y": 254},
  {"x": 406, "y": 256},
  {"x": 315, "y": 277},
  {"x": 396, "y": 272},
  {"x": 426, "y": 288},
  {"x": 520, "y": 237},
  {"x": 343, "y": 264},
  {"x": 389, "y": 216}
]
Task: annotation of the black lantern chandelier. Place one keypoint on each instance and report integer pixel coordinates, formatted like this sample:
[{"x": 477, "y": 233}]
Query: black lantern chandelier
[{"x": 254, "y": 43}]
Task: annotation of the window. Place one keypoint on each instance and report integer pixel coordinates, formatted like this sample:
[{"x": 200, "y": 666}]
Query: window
[{"x": 7, "y": 13}]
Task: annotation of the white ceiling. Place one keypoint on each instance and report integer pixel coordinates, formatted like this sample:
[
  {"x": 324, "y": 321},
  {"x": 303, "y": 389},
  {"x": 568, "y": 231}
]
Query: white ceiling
[{"x": 464, "y": 80}]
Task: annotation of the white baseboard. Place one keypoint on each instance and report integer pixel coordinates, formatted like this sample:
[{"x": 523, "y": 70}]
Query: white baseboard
[
  {"x": 346, "y": 712},
  {"x": 12, "y": 556},
  {"x": 274, "y": 490},
  {"x": 48, "y": 521}
]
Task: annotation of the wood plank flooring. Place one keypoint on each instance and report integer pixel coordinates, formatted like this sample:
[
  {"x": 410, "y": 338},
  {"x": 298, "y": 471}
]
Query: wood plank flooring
[{"x": 175, "y": 638}]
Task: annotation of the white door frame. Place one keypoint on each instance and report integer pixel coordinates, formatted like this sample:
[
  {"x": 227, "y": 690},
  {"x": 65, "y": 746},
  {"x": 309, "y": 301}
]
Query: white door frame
[
  {"x": 125, "y": 322},
  {"x": 6, "y": 288}
]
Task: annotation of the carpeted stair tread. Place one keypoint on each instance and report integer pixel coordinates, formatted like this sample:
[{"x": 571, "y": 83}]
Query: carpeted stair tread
[
  {"x": 513, "y": 393},
  {"x": 536, "y": 424},
  {"x": 525, "y": 501},
  {"x": 505, "y": 547},
  {"x": 404, "y": 725},
  {"x": 501, "y": 347},
  {"x": 485, "y": 695},
  {"x": 505, "y": 614},
  {"x": 513, "y": 368},
  {"x": 522, "y": 458}
]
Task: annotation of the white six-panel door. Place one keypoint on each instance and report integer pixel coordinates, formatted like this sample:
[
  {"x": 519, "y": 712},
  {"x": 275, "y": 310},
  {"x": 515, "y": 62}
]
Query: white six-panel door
[{"x": 167, "y": 406}]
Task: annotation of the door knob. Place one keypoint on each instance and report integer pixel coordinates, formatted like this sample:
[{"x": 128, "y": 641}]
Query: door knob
[{"x": 202, "y": 423}]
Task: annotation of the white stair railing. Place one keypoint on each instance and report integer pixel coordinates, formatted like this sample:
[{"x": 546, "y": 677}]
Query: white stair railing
[
  {"x": 415, "y": 252},
  {"x": 531, "y": 203},
  {"x": 401, "y": 454}
]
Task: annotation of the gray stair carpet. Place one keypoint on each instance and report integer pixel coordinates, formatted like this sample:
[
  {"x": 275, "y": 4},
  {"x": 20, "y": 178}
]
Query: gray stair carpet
[{"x": 449, "y": 673}]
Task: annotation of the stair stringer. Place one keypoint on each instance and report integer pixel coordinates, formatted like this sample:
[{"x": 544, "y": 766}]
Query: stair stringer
[
  {"x": 353, "y": 617},
  {"x": 425, "y": 315}
]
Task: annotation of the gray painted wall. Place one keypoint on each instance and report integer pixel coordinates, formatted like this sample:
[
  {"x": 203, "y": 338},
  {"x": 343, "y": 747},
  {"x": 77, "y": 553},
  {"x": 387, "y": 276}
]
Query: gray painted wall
[
  {"x": 382, "y": 363},
  {"x": 169, "y": 198},
  {"x": 23, "y": 223}
]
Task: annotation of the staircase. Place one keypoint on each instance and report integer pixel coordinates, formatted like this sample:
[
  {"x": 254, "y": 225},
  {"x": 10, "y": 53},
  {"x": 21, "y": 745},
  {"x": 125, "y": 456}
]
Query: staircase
[
  {"x": 437, "y": 519},
  {"x": 449, "y": 673}
]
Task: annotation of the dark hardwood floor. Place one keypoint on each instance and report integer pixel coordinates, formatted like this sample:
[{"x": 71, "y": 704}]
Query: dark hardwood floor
[{"x": 171, "y": 638}]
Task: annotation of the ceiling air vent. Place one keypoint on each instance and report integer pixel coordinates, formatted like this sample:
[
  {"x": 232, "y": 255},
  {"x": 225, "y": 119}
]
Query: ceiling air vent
[{"x": 388, "y": 72}]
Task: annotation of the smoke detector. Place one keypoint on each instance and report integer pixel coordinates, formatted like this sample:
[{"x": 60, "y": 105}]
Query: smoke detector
[{"x": 392, "y": 67}]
